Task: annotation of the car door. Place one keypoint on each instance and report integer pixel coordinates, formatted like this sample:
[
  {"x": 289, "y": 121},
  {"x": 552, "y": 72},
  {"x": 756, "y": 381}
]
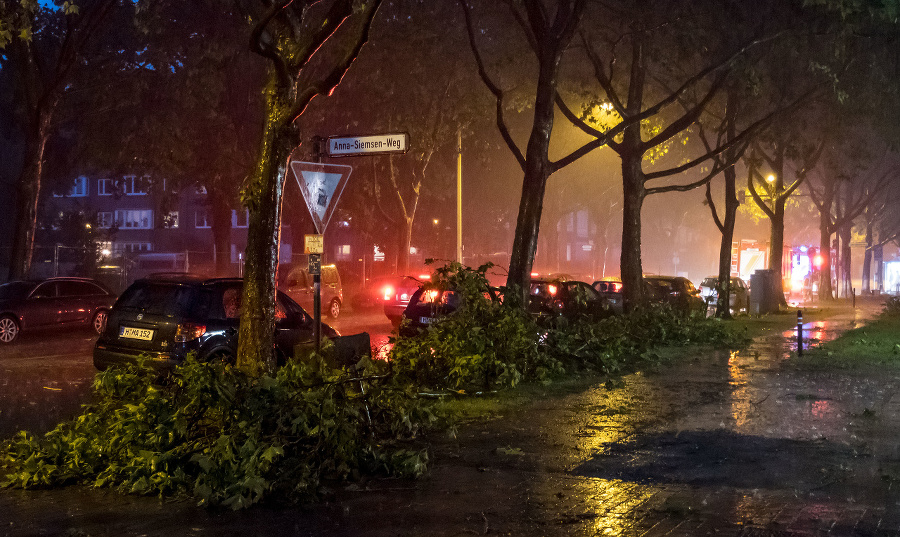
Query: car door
[
  {"x": 292, "y": 325},
  {"x": 299, "y": 287},
  {"x": 42, "y": 307}
]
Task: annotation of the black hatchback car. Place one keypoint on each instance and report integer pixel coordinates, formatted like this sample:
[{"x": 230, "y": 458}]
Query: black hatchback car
[
  {"x": 676, "y": 291},
  {"x": 168, "y": 317},
  {"x": 64, "y": 302},
  {"x": 566, "y": 298}
]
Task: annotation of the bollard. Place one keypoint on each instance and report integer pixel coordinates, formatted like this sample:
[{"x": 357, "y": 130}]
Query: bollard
[{"x": 799, "y": 333}]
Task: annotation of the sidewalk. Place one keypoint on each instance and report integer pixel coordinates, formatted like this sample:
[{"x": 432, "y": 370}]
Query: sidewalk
[{"x": 717, "y": 444}]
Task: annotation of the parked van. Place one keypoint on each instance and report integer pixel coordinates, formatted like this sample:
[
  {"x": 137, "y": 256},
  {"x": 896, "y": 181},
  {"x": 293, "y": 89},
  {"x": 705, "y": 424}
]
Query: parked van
[{"x": 297, "y": 283}]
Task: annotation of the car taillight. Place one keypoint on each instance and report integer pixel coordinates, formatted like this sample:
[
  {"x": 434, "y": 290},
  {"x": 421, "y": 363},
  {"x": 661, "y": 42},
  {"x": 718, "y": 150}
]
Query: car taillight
[
  {"x": 551, "y": 289},
  {"x": 388, "y": 291},
  {"x": 616, "y": 287},
  {"x": 188, "y": 331}
]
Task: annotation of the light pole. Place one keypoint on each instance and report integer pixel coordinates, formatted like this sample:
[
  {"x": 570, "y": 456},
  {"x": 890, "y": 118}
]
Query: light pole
[{"x": 459, "y": 247}]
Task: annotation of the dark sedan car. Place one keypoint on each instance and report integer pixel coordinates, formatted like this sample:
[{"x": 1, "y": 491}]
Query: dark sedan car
[
  {"x": 169, "y": 317},
  {"x": 566, "y": 298},
  {"x": 53, "y": 303},
  {"x": 426, "y": 306},
  {"x": 611, "y": 291},
  {"x": 676, "y": 291},
  {"x": 397, "y": 293}
]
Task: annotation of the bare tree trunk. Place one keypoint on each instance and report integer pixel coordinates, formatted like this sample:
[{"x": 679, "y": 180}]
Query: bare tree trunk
[
  {"x": 256, "y": 336},
  {"x": 825, "y": 290},
  {"x": 723, "y": 308},
  {"x": 537, "y": 170},
  {"x": 846, "y": 282},
  {"x": 867, "y": 261},
  {"x": 28, "y": 194},
  {"x": 631, "y": 265}
]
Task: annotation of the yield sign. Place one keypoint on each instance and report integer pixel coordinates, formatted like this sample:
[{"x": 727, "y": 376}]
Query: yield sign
[{"x": 321, "y": 186}]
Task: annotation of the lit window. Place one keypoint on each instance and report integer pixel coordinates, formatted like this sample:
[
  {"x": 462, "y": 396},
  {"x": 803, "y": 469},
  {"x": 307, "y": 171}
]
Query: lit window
[
  {"x": 343, "y": 252},
  {"x": 170, "y": 220},
  {"x": 379, "y": 255},
  {"x": 201, "y": 219},
  {"x": 240, "y": 219},
  {"x": 121, "y": 247},
  {"x": 134, "y": 219}
]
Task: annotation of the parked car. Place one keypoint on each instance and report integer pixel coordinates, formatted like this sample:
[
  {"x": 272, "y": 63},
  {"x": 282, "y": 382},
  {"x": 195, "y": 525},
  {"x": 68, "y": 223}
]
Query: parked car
[
  {"x": 168, "y": 317},
  {"x": 567, "y": 298},
  {"x": 676, "y": 291},
  {"x": 397, "y": 294},
  {"x": 611, "y": 290},
  {"x": 298, "y": 283},
  {"x": 739, "y": 296},
  {"x": 428, "y": 305},
  {"x": 52, "y": 303}
]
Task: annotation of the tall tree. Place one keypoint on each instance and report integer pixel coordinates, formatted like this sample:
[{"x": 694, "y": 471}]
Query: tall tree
[
  {"x": 309, "y": 46},
  {"x": 44, "y": 55},
  {"x": 548, "y": 29},
  {"x": 659, "y": 68}
]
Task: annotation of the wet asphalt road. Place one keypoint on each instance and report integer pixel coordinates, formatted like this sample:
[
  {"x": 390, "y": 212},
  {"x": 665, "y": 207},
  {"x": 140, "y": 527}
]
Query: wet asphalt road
[
  {"x": 46, "y": 377},
  {"x": 717, "y": 443}
]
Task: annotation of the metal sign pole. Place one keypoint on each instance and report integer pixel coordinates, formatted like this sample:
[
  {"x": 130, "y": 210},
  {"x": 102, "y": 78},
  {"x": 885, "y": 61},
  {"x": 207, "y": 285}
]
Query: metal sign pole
[{"x": 315, "y": 269}]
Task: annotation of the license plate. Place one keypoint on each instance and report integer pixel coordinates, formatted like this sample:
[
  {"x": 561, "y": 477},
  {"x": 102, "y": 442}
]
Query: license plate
[
  {"x": 130, "y": 332},
  {"x": 425, "y": 320}
]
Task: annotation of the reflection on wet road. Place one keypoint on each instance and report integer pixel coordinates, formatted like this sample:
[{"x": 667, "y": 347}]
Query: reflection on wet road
[
  {"x": 44, "y": 379},
  {"x": 745, "y": 443}
]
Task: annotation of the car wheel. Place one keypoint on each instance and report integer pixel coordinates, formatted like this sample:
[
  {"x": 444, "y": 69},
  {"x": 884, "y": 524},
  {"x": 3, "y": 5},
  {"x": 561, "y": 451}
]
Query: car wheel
[
  {"x": 99, "y": 321},
  {"x": 334, "y": 309},
  {"x": 223, "y": 356},
  {"x": 9, "y": 329}
]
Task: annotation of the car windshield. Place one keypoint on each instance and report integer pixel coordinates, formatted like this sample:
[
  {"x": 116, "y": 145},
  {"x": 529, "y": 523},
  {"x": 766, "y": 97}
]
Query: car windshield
[
  {"x": 15, "y": 290},
  {"x": 158, "y": 299},
  {"x": 708, "y": 282}
]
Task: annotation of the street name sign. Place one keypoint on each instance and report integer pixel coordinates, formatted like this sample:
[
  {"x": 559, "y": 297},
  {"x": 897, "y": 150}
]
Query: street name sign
[
  {"x": 372, "y": 144},
  {"x": 321, "y": 186}
]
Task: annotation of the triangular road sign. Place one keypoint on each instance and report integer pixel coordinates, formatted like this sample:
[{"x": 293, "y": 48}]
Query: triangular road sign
[{"x": 321, "y": 186}]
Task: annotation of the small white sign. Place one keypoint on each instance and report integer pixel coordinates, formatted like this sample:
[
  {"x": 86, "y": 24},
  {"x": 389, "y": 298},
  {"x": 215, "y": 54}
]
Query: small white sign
[{"x": 374, "y": 144}]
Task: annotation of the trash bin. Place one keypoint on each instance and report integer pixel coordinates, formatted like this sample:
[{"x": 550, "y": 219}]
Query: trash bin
[{"x": 762, "y": 292}]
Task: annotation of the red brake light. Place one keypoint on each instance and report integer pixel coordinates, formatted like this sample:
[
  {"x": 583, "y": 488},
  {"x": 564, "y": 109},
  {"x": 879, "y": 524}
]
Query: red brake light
[
  {"x": 388, "y": 291},
  {"x": 424, "y": 276},
  {"x": 616, "y": 287},
  {"x": 551, "y": 289},
  {"x": 188, "y": 331}
]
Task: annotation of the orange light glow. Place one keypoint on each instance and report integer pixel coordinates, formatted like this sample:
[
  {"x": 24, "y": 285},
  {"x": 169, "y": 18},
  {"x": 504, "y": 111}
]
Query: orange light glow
[
  {"x": 551, "y": 289},
  {"x": 388, "y": 291},
  {"x": 432, "y": 295}
]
